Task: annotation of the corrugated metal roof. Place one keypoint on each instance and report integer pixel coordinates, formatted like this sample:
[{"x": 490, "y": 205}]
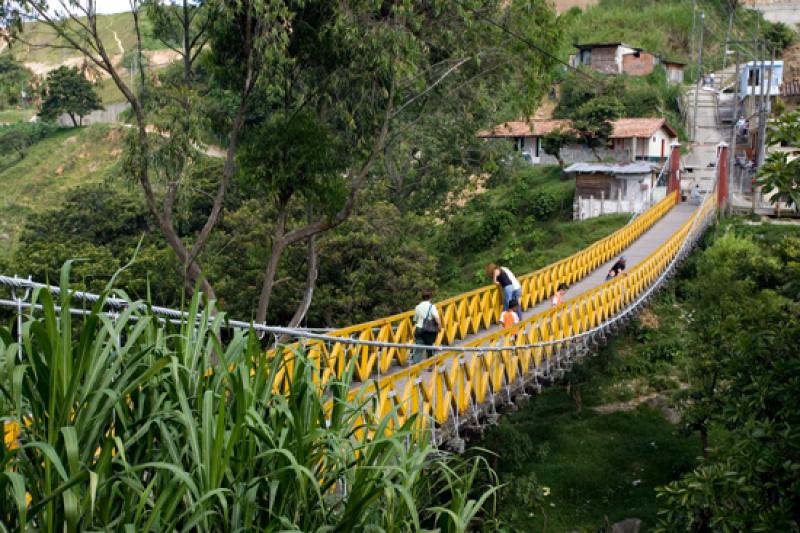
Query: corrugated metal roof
[{"x": 639, "y": 167}]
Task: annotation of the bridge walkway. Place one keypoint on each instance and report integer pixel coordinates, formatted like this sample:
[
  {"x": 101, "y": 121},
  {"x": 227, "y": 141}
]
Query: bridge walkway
[
  {"x": 401, "y": 378},
  {"x": 638, "y": 251}
]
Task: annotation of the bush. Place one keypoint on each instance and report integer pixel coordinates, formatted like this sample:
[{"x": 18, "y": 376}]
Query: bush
[{"x": 543, "y": 205}]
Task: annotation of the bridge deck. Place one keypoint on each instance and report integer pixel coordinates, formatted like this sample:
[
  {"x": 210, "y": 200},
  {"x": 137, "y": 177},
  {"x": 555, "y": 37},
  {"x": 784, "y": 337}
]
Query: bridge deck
[{"x": 637, "y": 252}]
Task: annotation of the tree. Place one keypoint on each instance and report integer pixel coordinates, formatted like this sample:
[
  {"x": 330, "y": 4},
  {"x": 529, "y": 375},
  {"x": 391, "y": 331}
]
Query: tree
[
  {"x": 14, "y": 82},
  {"x": 780, "y": 173},
  {"x": 553, "y": 142},
  {"x": 592, "y": 121},
  {"x": 342, "y": 103},
  {"x": 67, "y": 91},
  {"x": 743, "y": 336},
  {"x": 166, "y": 142},
  {"x": 778, "y": 35}
]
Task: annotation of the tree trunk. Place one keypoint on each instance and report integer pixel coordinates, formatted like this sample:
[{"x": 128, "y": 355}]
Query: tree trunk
[
  {"x": 279, "y": 244},
  {"x": 74, "y": 122},
  {"x": 311, "y": 283},
  {"x": 704, "y": 440}
]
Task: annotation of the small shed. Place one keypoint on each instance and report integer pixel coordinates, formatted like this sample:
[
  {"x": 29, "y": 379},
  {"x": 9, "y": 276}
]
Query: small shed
[
  {"x": 602, "y": 188},
  {"x": 674, "y": 70}
]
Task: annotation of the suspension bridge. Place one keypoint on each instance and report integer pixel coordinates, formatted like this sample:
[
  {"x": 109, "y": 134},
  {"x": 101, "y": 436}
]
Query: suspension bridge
[{"x": 478, "y": 364}]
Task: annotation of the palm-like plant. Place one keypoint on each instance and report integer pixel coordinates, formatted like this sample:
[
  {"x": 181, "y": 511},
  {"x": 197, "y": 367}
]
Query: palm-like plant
[{"x": 123, "y": 427}]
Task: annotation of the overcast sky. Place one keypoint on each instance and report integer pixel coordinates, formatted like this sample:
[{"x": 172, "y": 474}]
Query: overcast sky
[{"x": 113, "y": 6}]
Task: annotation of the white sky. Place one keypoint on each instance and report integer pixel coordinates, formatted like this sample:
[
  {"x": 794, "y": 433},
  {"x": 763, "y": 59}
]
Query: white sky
[{"x": 113, "y": 6}]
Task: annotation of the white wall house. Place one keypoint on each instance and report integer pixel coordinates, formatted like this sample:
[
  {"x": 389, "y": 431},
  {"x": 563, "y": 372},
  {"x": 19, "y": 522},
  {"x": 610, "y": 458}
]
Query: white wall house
[
  {"x": 605, "y": 188},
  {"x": 633, "y": 139}
]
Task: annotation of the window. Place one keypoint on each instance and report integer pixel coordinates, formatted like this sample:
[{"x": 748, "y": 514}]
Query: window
[{"x": 753, "y": 77}]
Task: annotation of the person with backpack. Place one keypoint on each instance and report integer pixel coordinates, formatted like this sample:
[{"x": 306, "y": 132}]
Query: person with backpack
[
  {"x": 507, "y": 282},
  {"x": 427, "y": 324}
]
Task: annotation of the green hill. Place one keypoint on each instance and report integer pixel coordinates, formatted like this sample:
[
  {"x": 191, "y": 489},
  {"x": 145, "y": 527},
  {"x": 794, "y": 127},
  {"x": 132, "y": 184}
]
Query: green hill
[
  {"x": 117, "y": 32},
  {"x": 663, "y": 26},
  {"x": 51, "y": 167}
]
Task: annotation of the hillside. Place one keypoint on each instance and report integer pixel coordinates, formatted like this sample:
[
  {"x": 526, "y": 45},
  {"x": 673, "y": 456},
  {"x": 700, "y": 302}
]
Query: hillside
[
  {"x": 117, "y": 31},
  {"x": 40, "y": 53},
  {"x": 662, "y": 26},
  {"x": 50, "y": 168}
]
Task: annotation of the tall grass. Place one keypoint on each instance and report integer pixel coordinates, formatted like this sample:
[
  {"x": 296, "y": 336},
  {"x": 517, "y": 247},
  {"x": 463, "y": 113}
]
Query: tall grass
[{"x": 123, "y": 428}]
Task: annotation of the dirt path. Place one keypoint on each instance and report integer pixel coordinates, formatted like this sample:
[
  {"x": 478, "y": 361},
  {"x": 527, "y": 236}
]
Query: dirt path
[
  {"x": 656, "y": 400},
  {"x": 116, "y": 38}
]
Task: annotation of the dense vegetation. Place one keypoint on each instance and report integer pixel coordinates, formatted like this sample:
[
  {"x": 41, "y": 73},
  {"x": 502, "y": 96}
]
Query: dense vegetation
[
  {"x": 124, "y": 428},
  {"x": 372, "y": 265},
  {"x": 716, "y": 355}
]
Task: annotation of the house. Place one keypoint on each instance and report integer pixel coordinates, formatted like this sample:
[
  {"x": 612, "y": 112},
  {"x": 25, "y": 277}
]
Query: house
[
  {"x": 674, "y": 70},
  {"x": 632, "y": 139},
  {"x": 754, "y": 78},
  {"x": 615, "y": 58},
  {"x": 603, "y": 188}
]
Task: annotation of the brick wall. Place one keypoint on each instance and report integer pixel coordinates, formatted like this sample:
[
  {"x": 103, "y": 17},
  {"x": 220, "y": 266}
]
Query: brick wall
[{"x": 638, "y": 66}]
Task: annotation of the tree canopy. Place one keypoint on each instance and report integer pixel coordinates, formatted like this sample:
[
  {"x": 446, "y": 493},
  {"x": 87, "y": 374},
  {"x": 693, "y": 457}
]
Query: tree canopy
[{"x": 67, "y": 91}]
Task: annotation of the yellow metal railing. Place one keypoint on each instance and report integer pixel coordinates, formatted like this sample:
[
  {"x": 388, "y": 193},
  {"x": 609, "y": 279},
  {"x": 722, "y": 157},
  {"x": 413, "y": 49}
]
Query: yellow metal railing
[
  {"x": 450, "y": 383},
  {"x": 471, "y": 312}
]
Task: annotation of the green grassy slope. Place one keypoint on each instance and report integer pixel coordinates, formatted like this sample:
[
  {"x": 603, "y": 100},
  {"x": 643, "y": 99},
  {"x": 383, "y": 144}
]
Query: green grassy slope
[
  {"x": 599, "y": 447},
  {"x": 662, "y": 26},
  {"x": 60, "y": 162},
  {"x": 115, "y": 30}
]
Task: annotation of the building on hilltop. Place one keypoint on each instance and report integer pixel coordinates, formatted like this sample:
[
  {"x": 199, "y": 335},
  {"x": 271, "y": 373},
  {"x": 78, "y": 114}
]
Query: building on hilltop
[
  {"x": 632, "y": 139},
  {"x": 621, "y": 58}
]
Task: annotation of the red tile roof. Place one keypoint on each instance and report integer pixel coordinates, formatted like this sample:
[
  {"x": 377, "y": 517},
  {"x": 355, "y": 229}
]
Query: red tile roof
[
  {"x": 624, "y": 128},
  {"x": 531, "y": 128}
]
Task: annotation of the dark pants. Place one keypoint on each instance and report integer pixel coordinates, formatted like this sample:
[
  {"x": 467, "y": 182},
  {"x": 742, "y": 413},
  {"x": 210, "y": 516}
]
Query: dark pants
[{"x": 422, "y": 337}]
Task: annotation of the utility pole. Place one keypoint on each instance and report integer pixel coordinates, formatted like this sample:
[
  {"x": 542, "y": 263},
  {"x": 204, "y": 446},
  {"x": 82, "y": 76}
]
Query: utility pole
[
  {"x": 734, "y": 134},
  {"x": 727, "y": 41},
  {"x": 762, "y": 123},
  {"x": 691, "y": 35},
  {"x": 699, "y": 77}
]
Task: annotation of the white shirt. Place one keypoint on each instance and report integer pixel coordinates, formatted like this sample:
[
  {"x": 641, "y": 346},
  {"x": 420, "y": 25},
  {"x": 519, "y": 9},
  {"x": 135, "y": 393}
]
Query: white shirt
[
  {"x": 421, "y": 312},
  {"x": 514, "y": 281}
]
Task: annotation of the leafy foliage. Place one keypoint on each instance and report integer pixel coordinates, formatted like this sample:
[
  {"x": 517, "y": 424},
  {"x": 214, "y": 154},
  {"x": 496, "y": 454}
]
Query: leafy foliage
[
  {"x": 592, "y": 121},
  {"x": 781, "y": 173},
  {"x": 124, "y": 428},
  {"x": 14, "y": 82},
  {"x": 16, "y": 139},
  {"x": 67, "y": 91},
  {"x": 554, "y": 141},
  {"x": 743, "y": 379},
  {"x": 778, "y": 35}
]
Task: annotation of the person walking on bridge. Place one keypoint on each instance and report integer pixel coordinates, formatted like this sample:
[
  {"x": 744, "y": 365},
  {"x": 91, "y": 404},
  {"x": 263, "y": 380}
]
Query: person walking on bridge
[
  {"x": 427, "y": 324},
  {"x": 507, "y": 282},
  {"x": 617, "y": 269},
  {"x": 559, "y": 295}
]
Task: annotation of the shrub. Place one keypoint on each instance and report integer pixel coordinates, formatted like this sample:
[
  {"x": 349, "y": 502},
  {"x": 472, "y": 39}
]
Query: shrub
[{"x": 543, "y": 205}]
